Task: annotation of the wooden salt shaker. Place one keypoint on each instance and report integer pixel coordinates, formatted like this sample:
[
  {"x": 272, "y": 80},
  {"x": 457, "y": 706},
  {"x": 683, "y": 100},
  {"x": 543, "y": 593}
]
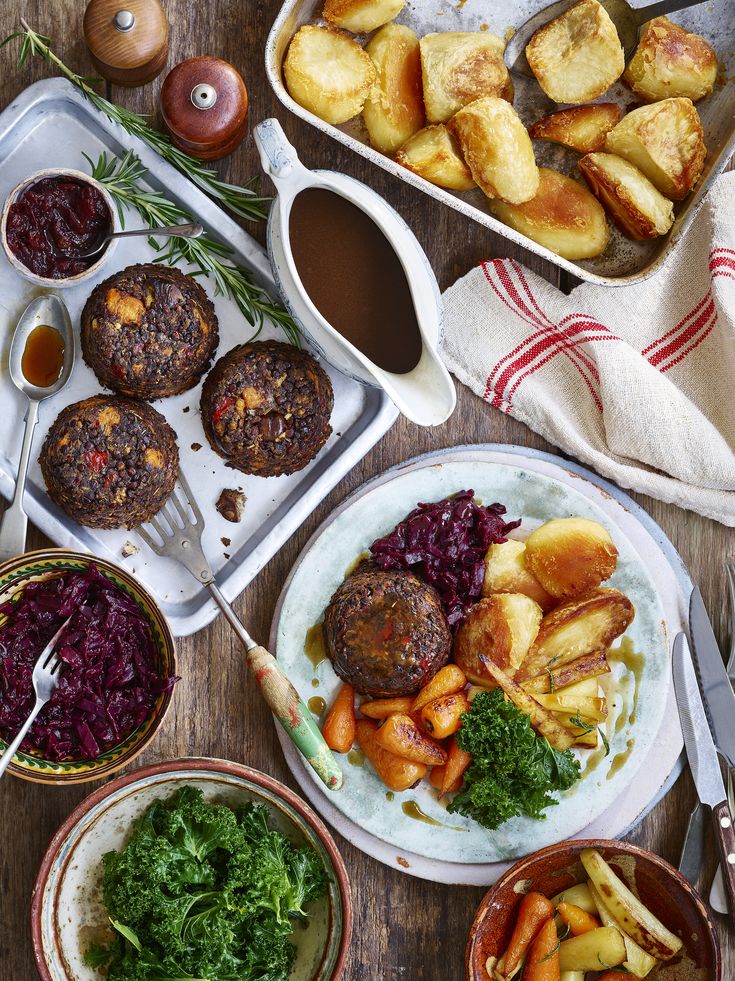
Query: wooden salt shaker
[
  {"x": 204, "y": 107},
  {"x": 127, "y": 39}
]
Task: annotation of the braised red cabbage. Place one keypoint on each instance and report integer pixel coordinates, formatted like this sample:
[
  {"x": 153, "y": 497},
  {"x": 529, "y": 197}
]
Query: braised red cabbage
[
  {"x": 445, "y": 544},
  {"x": 111, "y": 678}
]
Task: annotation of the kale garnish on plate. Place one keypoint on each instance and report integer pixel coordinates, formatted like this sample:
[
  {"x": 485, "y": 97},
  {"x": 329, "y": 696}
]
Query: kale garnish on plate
[
  {"x": 205, "y": 893},
  {"x": 513, "y": 770}
]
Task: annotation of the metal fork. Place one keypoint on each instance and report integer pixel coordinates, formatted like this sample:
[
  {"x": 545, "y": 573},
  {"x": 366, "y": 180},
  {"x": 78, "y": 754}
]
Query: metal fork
[
  {"x": 45, "y": 681},
  {"x": 176, "y": 533}
]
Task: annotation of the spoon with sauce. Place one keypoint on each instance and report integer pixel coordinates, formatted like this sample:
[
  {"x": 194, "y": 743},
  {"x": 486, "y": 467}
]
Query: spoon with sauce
[{"x": 41, "y": 359}]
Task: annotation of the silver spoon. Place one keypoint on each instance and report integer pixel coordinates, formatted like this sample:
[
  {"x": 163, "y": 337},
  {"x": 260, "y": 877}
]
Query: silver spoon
[
  {"x": 627, "y": 21},
  {"x": 191, "y": 230},
  {"x": 50, "y": 311}
]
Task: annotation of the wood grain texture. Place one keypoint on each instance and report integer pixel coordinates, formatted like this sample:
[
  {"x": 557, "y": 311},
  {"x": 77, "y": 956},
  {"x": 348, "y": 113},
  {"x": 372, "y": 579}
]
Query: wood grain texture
[{"x": 405, "y": 929}]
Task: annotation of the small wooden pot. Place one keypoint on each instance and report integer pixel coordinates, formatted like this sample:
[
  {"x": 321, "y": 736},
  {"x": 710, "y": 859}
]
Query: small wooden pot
[{"x": 127, "y": 39}]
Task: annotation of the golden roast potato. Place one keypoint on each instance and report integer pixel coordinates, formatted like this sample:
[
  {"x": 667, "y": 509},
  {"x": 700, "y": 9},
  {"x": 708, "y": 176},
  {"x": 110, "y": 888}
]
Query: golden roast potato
[
  {"x": 502, "y": 628},
  {"x": 394, "y": 110},
  {"x": 571, "y": 556},
  {"x": 562, "y": 216},
  {"x": 582, "y": 128},
  {"x": 361, "y": 16},
  {"x": 459, "y": 67},
  {"x": 670, "y": 61},
  {"x": 328, "y": 73},
  {"x": 497, "y": 148},
  {"x": 634, "y": 204},
  {"x": 577, "y": 56},
  {"x": 433, "y": 154},
  {"x": 665, "y": 141},
  {"x": 506, "y": 572}
]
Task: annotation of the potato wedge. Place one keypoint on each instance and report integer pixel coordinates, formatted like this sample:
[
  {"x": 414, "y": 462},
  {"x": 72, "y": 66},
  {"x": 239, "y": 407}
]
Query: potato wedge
[
  {"x": 328, "y": 73},
  {"x": 361, "y": 16},
  {"x": 396, "y": 773},
  {"x": 637, "y": 961},
  {"x": 628, "y": 911},
  {"x": 602, "y": 947},
  {"x": 585, "y": 735},
  {"x": 665, "y": 141},
  {"x": 637, "y": 208},
  {"x": 581, "y": 626},
  {"x": 498, "y": 149},
  {"x": 459, "y": 67},
  {"x": 563, "y": 216},
  {"x": 571, "y": 556},
  {"x": 669, "y": 61},
  {"x": 577, "y": 56},
  {"x": 580, "y": 895},
  {"x": 588, "y": 666},
  {"x": 394, "y": 110},
  {"x": 588, "y": 707},
  {"x": 506, "y": 572},
  {"x": 501, "y": 627},
  {"x": 587, "y": 687},
  {"x": 433, "y": 154},
  {"x": 582, "y": 128}
]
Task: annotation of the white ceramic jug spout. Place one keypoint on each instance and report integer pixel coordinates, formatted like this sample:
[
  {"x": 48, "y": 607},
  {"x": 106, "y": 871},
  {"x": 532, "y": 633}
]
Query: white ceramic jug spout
[{"x": 279, "y": 159}]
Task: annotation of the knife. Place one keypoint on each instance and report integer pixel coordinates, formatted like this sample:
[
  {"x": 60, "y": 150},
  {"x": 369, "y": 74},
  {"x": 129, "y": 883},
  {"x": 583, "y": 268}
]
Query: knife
[
  {"x": 717, "y": 693},
  {"x": 703, "y": 760}
]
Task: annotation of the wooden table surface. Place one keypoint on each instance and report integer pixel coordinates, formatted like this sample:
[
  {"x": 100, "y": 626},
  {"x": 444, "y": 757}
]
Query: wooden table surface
[{"x": 404, "y": 928}]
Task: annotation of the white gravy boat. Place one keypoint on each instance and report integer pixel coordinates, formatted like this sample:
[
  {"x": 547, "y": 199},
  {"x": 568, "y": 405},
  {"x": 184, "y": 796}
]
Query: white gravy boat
[{"x": 426, "y": 394}]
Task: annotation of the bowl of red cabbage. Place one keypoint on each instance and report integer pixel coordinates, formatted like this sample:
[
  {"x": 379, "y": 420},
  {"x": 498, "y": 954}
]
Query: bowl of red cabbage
[{"x": 118, "y": 665}]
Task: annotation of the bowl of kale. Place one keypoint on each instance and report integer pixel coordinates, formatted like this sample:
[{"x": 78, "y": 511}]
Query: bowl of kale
[{"x": 192, "y": 870}]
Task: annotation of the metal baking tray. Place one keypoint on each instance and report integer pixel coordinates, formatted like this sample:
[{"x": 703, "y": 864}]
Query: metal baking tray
[
  {"x": 624, "y": 261},
  {"x": 51, "y": 124}
]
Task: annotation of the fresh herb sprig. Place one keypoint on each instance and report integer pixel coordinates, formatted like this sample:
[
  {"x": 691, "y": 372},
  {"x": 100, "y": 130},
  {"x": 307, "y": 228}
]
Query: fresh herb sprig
[
  {"x": 242, "y": 201},
  {"x": 577, "y": 720},
  {"x": 123, "y": 177}
]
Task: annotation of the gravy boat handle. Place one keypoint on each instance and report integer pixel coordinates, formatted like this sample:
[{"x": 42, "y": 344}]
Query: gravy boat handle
[{"x": 279, "y": 159}]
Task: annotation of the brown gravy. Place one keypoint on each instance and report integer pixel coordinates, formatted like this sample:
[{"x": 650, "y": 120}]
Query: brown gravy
[{"x": 354, "y": 278}]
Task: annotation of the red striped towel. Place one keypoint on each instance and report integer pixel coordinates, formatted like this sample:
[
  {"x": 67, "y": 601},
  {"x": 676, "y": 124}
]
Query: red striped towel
[{"x": 636, "y": 381}]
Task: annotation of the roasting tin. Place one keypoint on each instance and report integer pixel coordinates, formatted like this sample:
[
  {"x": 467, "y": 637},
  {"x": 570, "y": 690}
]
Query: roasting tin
[
  {"x": 624, "y": 261},
  {"x": 51, "y": 124}
]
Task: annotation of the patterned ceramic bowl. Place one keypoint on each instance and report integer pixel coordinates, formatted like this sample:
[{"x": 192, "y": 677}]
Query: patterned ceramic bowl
[
  {"x": 664, "y": 890},
  {"x": 14, "y": 575},
  {"x": 66, "y": 911}
]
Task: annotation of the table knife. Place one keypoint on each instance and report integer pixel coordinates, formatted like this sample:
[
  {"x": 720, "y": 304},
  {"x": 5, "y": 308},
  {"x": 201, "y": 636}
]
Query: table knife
[
  {"x": 692, "y": 852},
  {"x": 703, "y": 760},
  {"x": 717, "y": 693}
]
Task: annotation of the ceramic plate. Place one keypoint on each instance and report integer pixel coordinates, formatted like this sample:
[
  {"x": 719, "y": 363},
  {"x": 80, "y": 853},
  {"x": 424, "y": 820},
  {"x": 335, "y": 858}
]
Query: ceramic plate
[{"x": 536, "y": 489}]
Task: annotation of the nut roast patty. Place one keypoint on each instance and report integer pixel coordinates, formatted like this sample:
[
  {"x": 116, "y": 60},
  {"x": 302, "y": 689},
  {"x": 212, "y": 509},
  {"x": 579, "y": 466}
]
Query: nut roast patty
[
  {"x": 149, "y": 331},
  {"x": 386, "y": 633},
  {"x": 110, "y": 461},
  {"x": 265, "y": 408}
]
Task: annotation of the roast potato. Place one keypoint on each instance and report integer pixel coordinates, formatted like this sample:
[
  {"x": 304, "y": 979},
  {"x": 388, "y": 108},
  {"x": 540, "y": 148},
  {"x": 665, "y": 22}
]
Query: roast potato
[
  {"x": 582, "y": 128},
  {"x": 665, "y": 141},
  {"x": 498, "y": 149},
  {"x": 506, "y": 572},
  {"x": 563, "y": 216},
  {"x": 394, "y": 110},
  {"x": 670, "y": 61},
  {"x": 571, "y": 556},
  {"x": 361, "y": 16},
  {"x": 577, "y": 56},
  {"x": 459, "y": 67},
  {"x": 433, "y": 154},
  {"x": 580, "y": 626},
  {"x": 502, "y": 628},
  {"x": 328, "y": 73},
  {"x": 638, "y": 209}
]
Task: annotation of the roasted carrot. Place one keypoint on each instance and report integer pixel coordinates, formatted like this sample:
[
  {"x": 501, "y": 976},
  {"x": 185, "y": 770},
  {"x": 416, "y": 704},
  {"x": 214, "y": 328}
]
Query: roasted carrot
[
  {"x": 381, "y": 708},
  {"x": 446, "y": 681},
  {"x": 577, "y": 919},
  {"x": 339, "y": 726},
  {"x": 399, "y": 734},
  {"x": 443, "y": 716},
  {"x": 542, "y": 963},
  {"x": 396, "y": 773},
  {"x": 533, "y": 911},
  {"x": 457, "y": 762}
]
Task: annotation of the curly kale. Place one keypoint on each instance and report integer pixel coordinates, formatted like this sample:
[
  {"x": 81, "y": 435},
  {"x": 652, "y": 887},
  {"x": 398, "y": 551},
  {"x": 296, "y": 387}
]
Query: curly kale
[
  {"x": 205, "y": 893},
  {"x": 513, "y": 770}
]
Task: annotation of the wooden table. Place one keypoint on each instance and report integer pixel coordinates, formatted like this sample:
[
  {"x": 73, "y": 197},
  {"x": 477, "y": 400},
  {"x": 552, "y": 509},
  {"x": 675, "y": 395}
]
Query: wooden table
[{"x": 405, "y": 929}]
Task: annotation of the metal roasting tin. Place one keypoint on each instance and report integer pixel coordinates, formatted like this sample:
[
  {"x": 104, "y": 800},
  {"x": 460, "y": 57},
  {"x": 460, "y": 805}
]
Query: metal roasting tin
[
  {"x": 52, "y": 124},
  {"x": 624, "y": 261}
]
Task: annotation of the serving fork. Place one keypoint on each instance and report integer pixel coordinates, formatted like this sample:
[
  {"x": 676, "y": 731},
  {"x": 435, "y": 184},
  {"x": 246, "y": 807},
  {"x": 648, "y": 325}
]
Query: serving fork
[{"x": 176, "y": 533}]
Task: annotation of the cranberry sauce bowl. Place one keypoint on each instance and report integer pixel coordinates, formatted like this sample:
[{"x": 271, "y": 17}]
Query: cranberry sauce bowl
[{"x": 50, "y": 220}]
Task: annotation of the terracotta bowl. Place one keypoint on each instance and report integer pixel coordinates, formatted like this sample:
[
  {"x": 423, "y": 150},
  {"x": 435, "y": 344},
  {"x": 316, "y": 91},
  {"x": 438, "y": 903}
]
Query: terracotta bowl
[
  {"x": 15, "y": 574},
  {"x": 664, "y": 890},
  {"x": 66, "y": 909}
]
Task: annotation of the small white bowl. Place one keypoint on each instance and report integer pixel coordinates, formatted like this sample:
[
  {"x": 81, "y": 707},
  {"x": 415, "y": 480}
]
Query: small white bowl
[{"x": 66, "y": 281}]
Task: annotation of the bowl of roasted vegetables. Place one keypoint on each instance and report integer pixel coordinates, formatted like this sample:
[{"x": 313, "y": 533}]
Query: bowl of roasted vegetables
[
  {"x": 592, "y": 911},
  {"x": 195, "y": 868}
]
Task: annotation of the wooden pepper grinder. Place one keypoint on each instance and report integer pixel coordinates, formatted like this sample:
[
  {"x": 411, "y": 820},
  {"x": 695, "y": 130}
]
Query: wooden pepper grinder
[
  {"x": 127, "y": 39},
  {"x": 204, "y": 107}
]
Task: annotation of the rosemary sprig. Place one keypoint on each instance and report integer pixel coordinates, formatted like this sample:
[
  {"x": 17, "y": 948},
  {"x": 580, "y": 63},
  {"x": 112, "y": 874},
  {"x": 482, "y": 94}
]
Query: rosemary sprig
[
  {"x": 577, "y": 720},
  {"x": 122, "y": 177},
  {"x": 242, "y": 201}
]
